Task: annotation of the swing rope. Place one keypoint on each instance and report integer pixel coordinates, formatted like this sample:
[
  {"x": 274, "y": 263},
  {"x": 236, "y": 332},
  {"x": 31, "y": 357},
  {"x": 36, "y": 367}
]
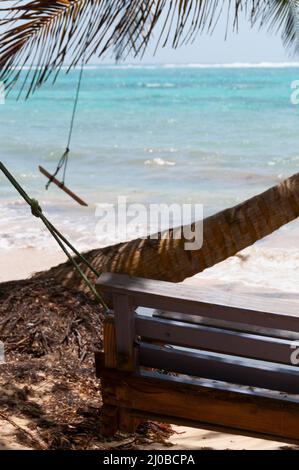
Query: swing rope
[
  {"x": 62, "y": 162},
  {"x": 64, "y": 159},
  {"x": 36, "y": 211}
]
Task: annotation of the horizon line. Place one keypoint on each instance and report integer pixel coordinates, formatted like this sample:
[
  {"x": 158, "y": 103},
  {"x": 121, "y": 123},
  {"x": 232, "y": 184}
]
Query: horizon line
[{"x": 261, "y": 64}]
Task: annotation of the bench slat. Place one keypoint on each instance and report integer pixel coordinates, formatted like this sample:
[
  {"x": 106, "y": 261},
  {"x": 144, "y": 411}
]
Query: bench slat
[
  {"x": 225, "y": 325},
  {"x": 223, "y": 368},
  {"x": 193, "y": 301},
  {"x": 214, "y": 339}
]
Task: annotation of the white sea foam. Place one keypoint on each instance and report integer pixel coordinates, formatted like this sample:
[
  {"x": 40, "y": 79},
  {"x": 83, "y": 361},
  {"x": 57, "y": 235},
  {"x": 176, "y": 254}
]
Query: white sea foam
[
  {"x": 230, "y": 65},
  {"x": 159, "y": 162},
  {"x": 158, "y": 85},
  {"x": 199, "y": 65},
  {"x": 236, "y": 65},
  {"x": 269, "y": 268},
  {"x": 272, "y": 263},
  {"x": 161, "y": 150}
]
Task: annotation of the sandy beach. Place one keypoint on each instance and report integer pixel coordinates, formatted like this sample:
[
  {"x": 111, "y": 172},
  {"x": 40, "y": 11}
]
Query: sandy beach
[{"x": 23, "y": 263}]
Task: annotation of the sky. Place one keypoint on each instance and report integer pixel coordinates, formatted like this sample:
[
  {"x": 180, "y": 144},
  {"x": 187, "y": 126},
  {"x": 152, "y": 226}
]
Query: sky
[{"x": 248, "y": 45}]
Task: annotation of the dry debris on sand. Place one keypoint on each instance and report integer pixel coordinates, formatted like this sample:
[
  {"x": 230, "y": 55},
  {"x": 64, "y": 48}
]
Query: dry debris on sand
[{"x": 48, "y": 383}]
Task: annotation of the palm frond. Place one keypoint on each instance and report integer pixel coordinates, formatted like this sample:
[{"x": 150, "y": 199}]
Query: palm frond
[
  {"x": 282, "y": 15},
  {"x": 42, "y": 35}
]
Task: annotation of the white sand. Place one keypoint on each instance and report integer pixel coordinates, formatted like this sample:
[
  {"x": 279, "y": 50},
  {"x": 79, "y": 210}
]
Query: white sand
[
  {"x": 8, "y": 439},
  {"x": 22, "y": 263},
  {"x": 197, "y": 439}
]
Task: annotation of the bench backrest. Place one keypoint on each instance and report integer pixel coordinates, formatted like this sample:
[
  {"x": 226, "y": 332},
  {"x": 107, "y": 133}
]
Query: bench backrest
[{"x": 237, "y": 342}]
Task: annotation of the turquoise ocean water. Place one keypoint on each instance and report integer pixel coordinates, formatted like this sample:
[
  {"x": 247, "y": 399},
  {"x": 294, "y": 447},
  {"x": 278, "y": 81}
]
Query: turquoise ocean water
[{"x": 204, "y": 134}]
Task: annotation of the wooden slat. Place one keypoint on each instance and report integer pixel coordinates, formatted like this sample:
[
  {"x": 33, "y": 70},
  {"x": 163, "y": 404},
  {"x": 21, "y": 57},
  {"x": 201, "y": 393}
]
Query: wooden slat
[
  {"x": 219, "y": 386},
  {"x": 192, "y": 423},
  {"x": 110, "y": 348},
  {"x": 225, "y": 325},
  {"x": 245, "y": 412},
  {"x": 191, "y": 301},
  {"x": 219, "y": 367},
  {"x": 214, "y": 339},
  {"x": 62, "y": 186},
  {"x": 124, "y": 315}
]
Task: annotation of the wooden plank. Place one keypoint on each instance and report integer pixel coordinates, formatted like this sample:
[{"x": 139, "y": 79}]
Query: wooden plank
[
  {"x": 124, "y": 315},
  {"x": 110, "y": 349},
  {"x": 219, "y": 367},
  {"x": 192, "y": 423},
  {"x": 214, "y": 339},
  {"x": 195, "y": 382},
  {"x": 225, "y": 325},
  {"x": 62, "y": 186},
  {"x": 205, "y": 407},
  {"x": 191, "y": 301}
]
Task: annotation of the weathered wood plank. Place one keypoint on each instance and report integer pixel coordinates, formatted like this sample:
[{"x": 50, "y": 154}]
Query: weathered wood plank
[
  {"x": 222, "y": 324},
  {"x": 110, "y": 347},
  {"x": 218, "y": 367},
  {"x": 192, "y": 423},
  {"x": 214, "y": 339},
  {"x": 206, "y": 407},
  {"x": 191, "y": 301},
  {"x": 194, "y": 382},
  {"x": 124, "y": 315}
]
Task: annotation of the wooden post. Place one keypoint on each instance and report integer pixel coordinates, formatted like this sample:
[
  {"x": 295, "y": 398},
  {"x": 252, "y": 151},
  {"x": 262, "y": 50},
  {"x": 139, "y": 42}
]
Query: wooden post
[
  {"x": 126, "y": 422},
  {"x": 124, "y": 312},
  {"x": 109, "y": 420},
  {"x": 110, "y": 350},
  {"x": 119, "y": 338}
]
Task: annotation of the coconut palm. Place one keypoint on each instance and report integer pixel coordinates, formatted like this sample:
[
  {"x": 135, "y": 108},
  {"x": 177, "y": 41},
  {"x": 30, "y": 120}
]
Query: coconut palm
[
  {"x": 49, "y": 33},
  {"x": 224, "y": 235}
]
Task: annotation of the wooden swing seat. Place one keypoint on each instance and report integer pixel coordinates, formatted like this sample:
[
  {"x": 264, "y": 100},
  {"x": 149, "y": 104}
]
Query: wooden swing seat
[
  {"x": 210, "y": 365},
  {"x": 62, "y": 186}
]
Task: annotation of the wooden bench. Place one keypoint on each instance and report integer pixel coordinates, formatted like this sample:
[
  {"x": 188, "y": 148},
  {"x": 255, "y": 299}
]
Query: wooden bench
[{"x": 210, "y": 365}]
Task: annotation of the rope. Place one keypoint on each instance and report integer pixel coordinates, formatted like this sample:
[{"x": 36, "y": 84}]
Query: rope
[
  {"x": 76, "y": 102},
  {"x": 64, "y": 159},
  {"x": 36, "y": 211},
  {"x": 62, "y": 162}
]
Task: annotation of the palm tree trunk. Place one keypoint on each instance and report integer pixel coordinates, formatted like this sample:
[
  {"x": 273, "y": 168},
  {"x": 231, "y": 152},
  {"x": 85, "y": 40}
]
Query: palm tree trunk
[{"x": 224, "y": 235}]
